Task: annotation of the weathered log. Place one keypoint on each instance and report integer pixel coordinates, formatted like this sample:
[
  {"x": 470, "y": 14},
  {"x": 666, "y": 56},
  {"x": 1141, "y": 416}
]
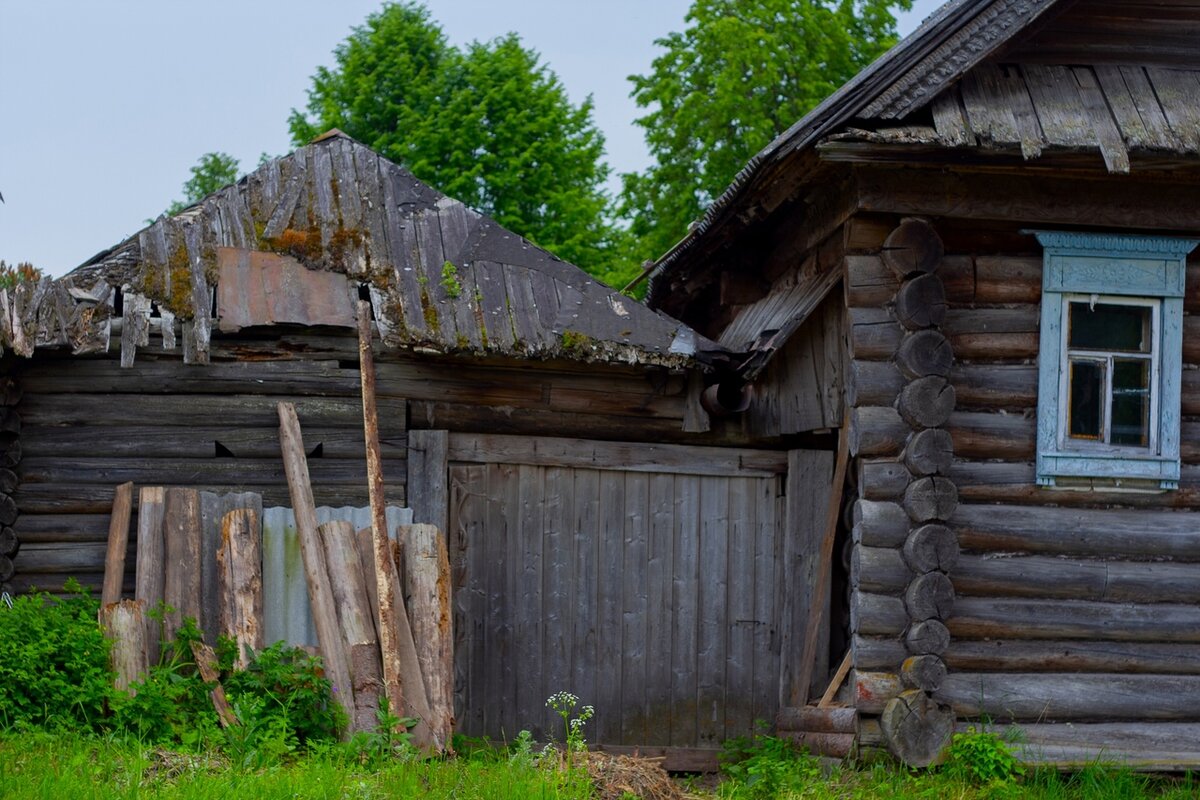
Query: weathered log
[
  {"x": 150, "y": 559},
  {"x": 877, "y": 614},
  {"x": 882, "y": 479},
  {"x": 873, "y": 383},
  {"x": 874, "y": 333},
  {"x": 927, "y": 637},
  {"x": 924, "y": 353},
  {"x": 8, "y": 510},
  {"x": 1077, "y": 531},
  {"x": 1013, "y": 484},
  {"x": 929, "y": 596},
  {"x": 320, "y": 594},
  {"x": 878, "y": 652},
  {"x": 1141, "y": 746},
  {"x": 181, "y": 560},
  {"x": 239, "y": 583},
  {"x": 10, "y": 543},
  {"x": 124, "y": 624},
  {"x": 391, "y": 603},
  {"x": 869, "y": 282},
  {"x": 1002, "y": 618},
  {"x": 914, "y": 246},
  {"x": 929, "y": 452},
  {"x": 427, "y": 587},
  {"x": 118, "y": 543},
  {"x": 347, "y": 579},
  {"x": 878, "y": 570},
  {"x": 1041, "y": 655},
  {"x": 916, "y": 728},
  {"x": 830, "y": 745},
  {"x": 817, "y": 720},
  {"x": 871, "y": 691},
  {"x": 206, "y": 664},
  {"x": 7, "y": 568},
  {"x": 992, "y": 334},
  {"x": 921, "y": 302},
  {"x": 923, "y": 672},
  {"x": 930, "y": 498},
  {"x": 992, "y": 386},
  {"x": 1055, "y": 697},
  {"x": 926, "y": 402},
  {"x": 879, "y": 524},
  {"x": 10, "y": 392},
  {"x": 931, "y": 547},
  {"x": 8, "y": 481},
  {"x": 10, "y": 421},
  {"x": 984, "y": 435},
  {"x": 1008, "y": 279},
  {"x": 877, "y": 431},
  {"x": 1048, "y": 576}
]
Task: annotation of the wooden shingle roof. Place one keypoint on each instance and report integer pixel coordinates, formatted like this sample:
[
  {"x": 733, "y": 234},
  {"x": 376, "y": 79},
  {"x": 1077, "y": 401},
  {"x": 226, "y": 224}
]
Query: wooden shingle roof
[{"x": 334, "y": 218}]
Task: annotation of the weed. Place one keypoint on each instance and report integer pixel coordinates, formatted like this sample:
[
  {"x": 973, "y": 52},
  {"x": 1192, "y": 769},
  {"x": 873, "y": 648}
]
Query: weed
[
  {"x": 762, "y": 766},
  {"x": 450, "y": 280},
  {"x": 983, "y": 758}
]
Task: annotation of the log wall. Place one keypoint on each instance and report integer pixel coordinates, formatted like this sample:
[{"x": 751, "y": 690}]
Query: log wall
[
  {"x": 81, "y": 426},
  {"x": 1066, "y": 606}
]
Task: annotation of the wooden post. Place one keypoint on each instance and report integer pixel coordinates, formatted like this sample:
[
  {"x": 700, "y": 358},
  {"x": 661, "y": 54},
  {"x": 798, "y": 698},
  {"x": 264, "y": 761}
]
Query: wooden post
[
  {"x": 124, "y": 623},
  {"x": 206, "y": 662},
  {"x": 118, "y": 541},
  {"x": 150, "y": 561},
  {"x": 427, "y": 586},
  {"x": 181, "y": 562},
  {"x": 358, "y": 626},
  {"x": 800, "y": 688},
  {"x": 239, "y": 583},
  {"x": 391, "y": 604},
  {"x": 320, "y": 594}
]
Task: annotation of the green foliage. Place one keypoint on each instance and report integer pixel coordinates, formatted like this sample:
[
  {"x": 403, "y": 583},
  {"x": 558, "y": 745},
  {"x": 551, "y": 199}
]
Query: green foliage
[
  {"x": 213, "y": 171},
  {"x": 54, "y": 669},
  {"x": 762, "y": 766},
  {"x": 983, "y": 758},
  {"x": 22, "y": 272},
  {"x": 488, "y": 124},
  {"x": 450, "y": 280},
  {"x": 739, "y": 74}
]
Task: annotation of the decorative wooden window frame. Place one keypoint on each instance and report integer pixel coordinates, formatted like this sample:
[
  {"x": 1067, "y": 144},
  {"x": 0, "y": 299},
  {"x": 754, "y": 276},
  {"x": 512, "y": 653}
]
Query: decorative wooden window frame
[{"x": 1120, "y": 269}]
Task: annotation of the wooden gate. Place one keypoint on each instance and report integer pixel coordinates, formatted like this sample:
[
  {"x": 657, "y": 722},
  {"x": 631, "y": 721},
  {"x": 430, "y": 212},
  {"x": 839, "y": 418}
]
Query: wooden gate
[{"x": 653, "y": 581}]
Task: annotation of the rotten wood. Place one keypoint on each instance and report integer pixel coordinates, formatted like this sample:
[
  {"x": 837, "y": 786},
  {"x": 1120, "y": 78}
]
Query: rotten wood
[
  {"x": 206, "y": 663},
  {"x": 427, "y": 588},
  {"x": 239, "y": 583},
  {"x": 124, "y": 624},
  {"x": 118, "y": 542}
]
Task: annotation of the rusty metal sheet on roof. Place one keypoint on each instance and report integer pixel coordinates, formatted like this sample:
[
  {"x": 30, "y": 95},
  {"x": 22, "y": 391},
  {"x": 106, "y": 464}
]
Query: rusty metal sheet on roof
[{"x": 257, "y": 288}]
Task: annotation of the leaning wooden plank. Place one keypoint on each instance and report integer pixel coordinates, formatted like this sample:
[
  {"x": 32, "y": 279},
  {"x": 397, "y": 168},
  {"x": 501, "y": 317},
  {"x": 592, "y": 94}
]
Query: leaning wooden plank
[
  {"x": 118, "y": 541},
  {"x": 358, "y": 628},
  {"x": 320, "y": 594},
  {"x": 181, "y": 561},
  {"x": 124, "y": 624},
  {"x": 427, "y": 586},
  {"x": 239, "y": 581},
  {"x": 823, "y": 566},
  {"x": 206, "y": 662},
  {"x": 393, "y": 619},
  {"x": 149, "y": 580}
]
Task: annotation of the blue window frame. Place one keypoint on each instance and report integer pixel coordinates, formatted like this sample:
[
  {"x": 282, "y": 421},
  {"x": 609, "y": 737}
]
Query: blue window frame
[{"x": 1110, "y": 360}]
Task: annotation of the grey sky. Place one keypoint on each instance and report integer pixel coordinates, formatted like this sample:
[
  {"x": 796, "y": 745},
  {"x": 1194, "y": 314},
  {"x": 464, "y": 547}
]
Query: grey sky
[{"x": 107, "y": 104}]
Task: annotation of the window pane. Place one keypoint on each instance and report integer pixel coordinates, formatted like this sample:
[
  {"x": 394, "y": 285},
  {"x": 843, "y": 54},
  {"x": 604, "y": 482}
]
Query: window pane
[
  {"x": 1086, "y": 407},
  {"x": 1131, "y": 402},
  {"x": 1110, "y": 327}
]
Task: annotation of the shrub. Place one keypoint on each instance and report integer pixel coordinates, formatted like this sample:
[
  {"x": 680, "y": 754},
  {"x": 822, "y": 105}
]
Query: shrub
[{"x": 54, "y": 670}]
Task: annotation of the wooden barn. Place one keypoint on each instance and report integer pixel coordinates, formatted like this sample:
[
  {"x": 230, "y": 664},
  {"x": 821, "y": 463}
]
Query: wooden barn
[
  {"x": 1000, "y": 218},
  {"x": 535, "y": 416}
]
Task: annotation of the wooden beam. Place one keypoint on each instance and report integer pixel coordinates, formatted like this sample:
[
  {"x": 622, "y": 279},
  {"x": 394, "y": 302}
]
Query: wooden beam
[{"x": 118, "y": 542}]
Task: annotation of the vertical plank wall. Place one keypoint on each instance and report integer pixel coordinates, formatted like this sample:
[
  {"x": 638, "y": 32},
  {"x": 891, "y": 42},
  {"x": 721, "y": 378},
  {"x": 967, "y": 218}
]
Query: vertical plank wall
[{"x": 656, "y": 596}]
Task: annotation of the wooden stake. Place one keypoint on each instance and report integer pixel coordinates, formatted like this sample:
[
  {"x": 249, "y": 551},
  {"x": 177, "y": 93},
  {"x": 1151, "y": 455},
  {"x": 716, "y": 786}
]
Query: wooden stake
[
  {"x": 808, "y": 655},
  {"x": 118, "y": 541},
  {"x": 358, "y": 625},
  {"x": 206, "y": 662},
  {"x": 320, "y": 594},
  {"x": 427, "y": 586},
  {"x": 391, "y": 604},
  {"x": 239, "y": 583},
  {"x": 124, "y": 623},
  {"x": 836, "y": 683}
]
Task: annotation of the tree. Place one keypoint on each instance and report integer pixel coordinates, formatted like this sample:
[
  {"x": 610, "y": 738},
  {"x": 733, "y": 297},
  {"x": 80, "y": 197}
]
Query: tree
[
  {"x": 487, "y": 124},
  {"x": 740, "y": 73},
  {"x": 213, "y": 171}
]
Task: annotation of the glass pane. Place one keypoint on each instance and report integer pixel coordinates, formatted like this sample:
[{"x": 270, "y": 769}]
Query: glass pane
[
  {"x": 1131, "y": 402},
  {"x": 1086, "y": 407},
  {"x": 1109, "y": 327}
]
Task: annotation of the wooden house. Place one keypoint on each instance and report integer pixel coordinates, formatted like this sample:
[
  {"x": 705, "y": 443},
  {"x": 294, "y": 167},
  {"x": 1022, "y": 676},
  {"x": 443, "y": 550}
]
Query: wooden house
[
  {"x": 534, "y": 415},
  {"x": 1000, "y": 219}
]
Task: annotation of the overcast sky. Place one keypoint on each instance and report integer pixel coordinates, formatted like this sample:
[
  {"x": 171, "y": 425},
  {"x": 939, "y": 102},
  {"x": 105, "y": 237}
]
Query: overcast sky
[{"x": 106, "y": 105}]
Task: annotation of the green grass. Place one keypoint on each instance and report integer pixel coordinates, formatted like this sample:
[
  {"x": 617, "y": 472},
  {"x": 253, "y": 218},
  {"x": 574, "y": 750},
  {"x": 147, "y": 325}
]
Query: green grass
[{"x": 64, "y": 767}]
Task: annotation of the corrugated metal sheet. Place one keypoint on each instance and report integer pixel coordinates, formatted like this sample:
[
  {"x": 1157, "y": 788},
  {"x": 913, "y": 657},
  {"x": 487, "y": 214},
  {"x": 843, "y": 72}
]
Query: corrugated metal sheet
[{"x": 287, "y": 613}]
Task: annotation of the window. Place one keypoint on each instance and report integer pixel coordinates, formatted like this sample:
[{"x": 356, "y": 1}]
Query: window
[{"x": 1110, "y": 360}]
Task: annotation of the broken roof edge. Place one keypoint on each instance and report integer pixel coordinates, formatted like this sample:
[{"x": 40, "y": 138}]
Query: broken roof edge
[
  {"x": 953, "y": 39},
  {"x": 444, "y": 277}
]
